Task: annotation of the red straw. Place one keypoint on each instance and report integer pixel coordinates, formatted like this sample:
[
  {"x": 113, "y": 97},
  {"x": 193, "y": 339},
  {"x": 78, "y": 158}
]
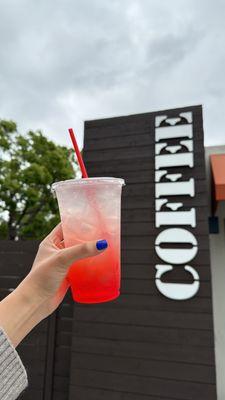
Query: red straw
[{"x": 79, "y": 156}]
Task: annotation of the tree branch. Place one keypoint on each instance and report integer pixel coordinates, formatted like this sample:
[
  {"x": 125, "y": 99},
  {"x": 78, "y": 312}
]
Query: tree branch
[
  {"x": 32, "y": 213},
  {"x": 23, "y": 214}
]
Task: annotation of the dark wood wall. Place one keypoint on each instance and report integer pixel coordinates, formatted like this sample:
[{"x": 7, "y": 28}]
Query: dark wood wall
[
  {"x": 46, "y": 351},
  {"x": 144, "y": 345},
  {"x": 141, "y": 346}
]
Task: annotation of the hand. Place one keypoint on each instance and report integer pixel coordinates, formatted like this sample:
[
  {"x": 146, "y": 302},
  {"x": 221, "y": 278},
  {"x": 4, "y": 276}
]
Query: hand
[
  {"x": 43, "y": 289},
  {"x": 46, "y": 282}
]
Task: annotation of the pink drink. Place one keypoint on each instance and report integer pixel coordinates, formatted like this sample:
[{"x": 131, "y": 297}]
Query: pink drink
[{"x": 90, "y": 210}]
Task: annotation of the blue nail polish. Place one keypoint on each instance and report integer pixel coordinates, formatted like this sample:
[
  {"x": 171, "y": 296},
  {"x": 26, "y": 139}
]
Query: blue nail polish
[{"x": 101, "y": 244}]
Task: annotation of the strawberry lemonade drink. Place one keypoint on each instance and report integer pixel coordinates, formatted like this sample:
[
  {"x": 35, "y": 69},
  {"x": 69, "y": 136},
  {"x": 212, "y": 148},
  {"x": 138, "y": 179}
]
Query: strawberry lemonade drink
[{"x": 90, "y": 210}]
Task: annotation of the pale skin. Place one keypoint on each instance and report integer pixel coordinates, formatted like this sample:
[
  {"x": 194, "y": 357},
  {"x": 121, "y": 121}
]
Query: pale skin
[{"x": 45, "y": 286}]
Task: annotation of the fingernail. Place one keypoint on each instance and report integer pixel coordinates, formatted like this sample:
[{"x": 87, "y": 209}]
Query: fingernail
[{"x": 101, "y": 244}]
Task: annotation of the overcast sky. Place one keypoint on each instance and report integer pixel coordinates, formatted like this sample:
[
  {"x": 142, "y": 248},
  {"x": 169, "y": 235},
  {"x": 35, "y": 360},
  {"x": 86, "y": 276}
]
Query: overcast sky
[{"x": 62, "y": 62}]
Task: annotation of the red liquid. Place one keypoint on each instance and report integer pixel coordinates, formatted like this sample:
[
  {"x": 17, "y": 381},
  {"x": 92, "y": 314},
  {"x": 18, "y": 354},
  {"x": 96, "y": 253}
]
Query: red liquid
[{"x": 97, "y": 279}]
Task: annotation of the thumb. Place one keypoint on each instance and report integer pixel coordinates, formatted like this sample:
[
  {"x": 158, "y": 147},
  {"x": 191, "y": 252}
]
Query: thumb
[{"x": 69, "y": 255}]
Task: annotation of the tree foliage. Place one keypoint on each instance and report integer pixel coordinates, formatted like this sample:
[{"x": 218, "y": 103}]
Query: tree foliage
[{"x": 29, "y": 164}]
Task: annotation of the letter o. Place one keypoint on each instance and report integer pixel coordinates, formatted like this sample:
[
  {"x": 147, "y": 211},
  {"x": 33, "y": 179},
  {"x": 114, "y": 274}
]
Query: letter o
[{"x": 177, "y": 255}]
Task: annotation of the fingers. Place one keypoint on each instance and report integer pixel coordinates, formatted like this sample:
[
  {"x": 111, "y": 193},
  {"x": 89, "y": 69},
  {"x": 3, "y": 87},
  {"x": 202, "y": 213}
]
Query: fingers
[
  {"x": 55, "y": 236},
  {"x": 69, "y": 255},
  {"x": 61, "y": 245}
]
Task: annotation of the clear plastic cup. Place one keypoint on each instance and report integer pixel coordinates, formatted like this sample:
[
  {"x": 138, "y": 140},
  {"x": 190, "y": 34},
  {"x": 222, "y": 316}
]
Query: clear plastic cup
[{"x": 90, "y": 209}]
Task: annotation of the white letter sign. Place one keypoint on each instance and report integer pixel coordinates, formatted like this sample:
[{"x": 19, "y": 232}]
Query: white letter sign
[{"x": 175, "y": 244}]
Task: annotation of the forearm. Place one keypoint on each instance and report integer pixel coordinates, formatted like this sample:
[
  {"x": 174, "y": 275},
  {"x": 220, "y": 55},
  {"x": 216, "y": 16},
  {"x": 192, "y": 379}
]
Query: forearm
[{"x": 18, "y": 315}]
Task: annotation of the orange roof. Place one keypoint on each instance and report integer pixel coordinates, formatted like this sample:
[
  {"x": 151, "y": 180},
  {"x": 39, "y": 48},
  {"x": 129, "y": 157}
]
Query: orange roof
[{"x": 218, "y": 172}]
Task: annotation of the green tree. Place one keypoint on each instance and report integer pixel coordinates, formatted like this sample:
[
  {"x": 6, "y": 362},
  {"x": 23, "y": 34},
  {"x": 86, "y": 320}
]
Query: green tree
[{"x": 29, "y": 164}]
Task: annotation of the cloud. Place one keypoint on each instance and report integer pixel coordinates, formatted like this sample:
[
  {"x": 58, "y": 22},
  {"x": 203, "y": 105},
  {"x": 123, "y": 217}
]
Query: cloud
[{"x": 62, "y": 63}]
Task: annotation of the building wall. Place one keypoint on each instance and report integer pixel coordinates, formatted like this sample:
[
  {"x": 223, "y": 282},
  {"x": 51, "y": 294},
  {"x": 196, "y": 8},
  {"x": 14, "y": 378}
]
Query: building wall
[
  {"x": 16, "y": 259},
  {"x": 217, "y": 250},
  {"x": 46, "y": 351},
  {"x": 144, "y": 345}
]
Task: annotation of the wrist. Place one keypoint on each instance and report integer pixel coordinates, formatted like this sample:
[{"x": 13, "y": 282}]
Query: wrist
[
  {"x": 29, "y": 294},
  {"x": 18, "y": 314}
]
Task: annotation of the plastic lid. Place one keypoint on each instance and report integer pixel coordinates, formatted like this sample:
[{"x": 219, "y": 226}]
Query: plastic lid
[{"x": 89, "y": 181}]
